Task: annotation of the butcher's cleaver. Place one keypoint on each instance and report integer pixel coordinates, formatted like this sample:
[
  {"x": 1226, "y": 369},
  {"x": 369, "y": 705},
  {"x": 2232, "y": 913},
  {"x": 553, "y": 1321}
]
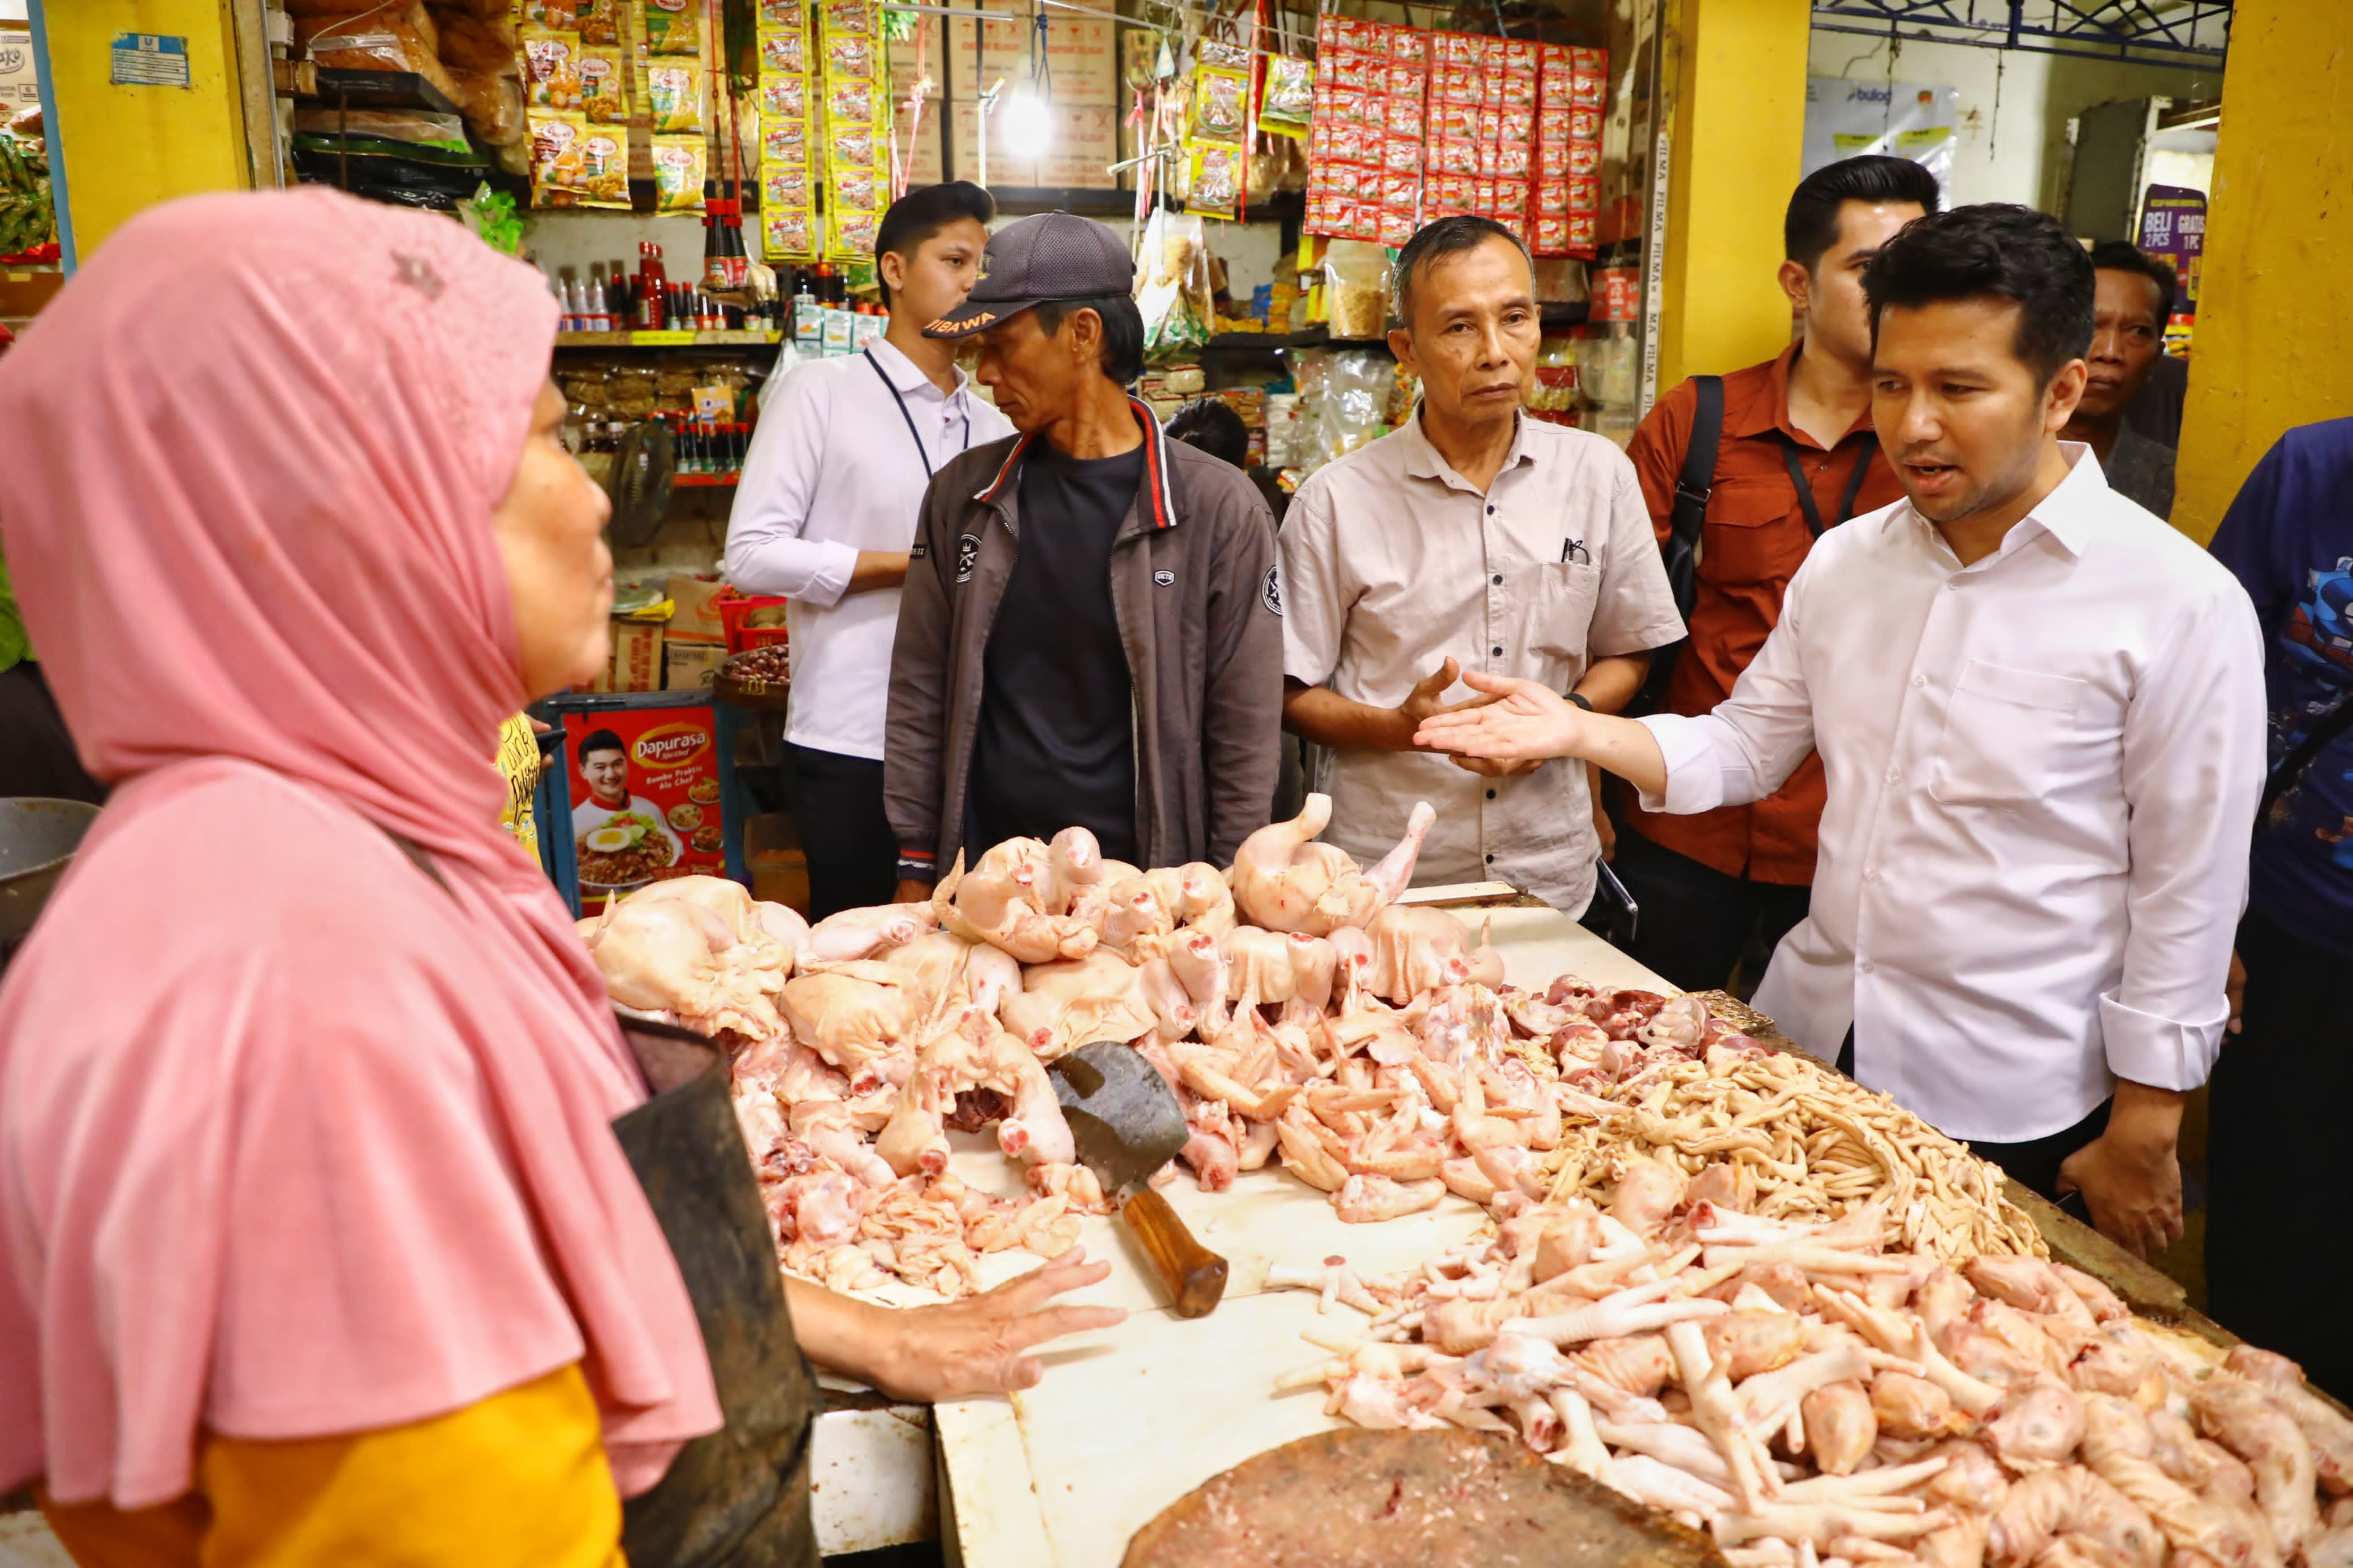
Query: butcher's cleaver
[{"x": 1127, "y": 1125}]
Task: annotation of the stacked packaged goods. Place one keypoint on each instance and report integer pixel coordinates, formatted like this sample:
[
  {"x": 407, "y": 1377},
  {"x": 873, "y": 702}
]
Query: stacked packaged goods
[
  {"x": 1364, "y": 144},
  {"x": 1482, "y": 109},
  {"x": 857, "y": 126},
  {"x": 1568, "y": 194},
  {"x": 576, "y": 65},
  {"x": 790, "y": 227}
]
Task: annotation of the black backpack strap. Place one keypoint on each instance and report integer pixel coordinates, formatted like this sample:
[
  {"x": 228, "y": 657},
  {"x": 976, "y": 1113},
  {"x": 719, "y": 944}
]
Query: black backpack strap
[
  {"x": 1693, "y": 485},
  {"x": 2290, "y": 772}
]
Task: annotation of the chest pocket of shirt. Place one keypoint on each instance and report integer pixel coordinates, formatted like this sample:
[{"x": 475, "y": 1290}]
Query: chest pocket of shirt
[
  {"x": 1556, "y": 600},
  {"x": 1741, "y": 545},
  {"x": 2003, "y": 734}
]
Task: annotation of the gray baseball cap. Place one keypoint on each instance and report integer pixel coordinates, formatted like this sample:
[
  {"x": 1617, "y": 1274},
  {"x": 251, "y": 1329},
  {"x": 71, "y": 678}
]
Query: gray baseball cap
[{"x": 1050, "y": 256}]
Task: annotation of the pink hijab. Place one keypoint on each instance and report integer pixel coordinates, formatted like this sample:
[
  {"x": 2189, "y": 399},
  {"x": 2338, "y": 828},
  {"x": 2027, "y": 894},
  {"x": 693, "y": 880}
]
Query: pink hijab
[{"x": 292, "y": 1141}]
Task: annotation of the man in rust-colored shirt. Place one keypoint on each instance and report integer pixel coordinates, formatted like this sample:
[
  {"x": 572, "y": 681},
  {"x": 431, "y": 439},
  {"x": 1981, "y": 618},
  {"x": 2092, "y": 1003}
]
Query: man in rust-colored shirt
[{"x": 1707, "y": 884}]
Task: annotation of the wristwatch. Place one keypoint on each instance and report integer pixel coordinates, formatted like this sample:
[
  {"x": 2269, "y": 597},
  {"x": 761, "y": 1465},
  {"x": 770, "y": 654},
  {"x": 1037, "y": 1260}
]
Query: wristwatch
[{"x": 1578, "y": 698}]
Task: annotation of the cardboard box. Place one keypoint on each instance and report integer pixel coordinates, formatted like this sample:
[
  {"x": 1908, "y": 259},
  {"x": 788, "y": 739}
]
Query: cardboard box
[
  {"x": 695, "y": 614},
  {"x": 636, "y": 663},
  {"x": 691, "y": 666}
]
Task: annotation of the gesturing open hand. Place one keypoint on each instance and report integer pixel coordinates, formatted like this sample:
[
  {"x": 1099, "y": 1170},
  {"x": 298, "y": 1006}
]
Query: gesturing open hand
[{"x": 1518, "y": 721}]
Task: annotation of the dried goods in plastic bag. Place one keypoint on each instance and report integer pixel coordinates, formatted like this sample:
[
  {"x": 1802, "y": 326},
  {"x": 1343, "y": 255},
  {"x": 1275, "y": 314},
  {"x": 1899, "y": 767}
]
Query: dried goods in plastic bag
[
  {"x": 1354, "y": 409},
  {"x": 677, "y": 173},
  {"x": 673, "y": 28},
  {"x": 675, "y": 92},
  {"x": 1172, "y": 283},
  {"x": 1215, "y": 186},
  {"x": 575, "y": 164},
  {"x": 1356, "y": 288},
  {"x": 1220, "y": 106},
  {"x": 1289, "y": 100},
  {"x": 552, "y": 66}
]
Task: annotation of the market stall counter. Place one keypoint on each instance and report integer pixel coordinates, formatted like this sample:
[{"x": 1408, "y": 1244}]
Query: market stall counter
[{"x": 1470, "y": 1169}]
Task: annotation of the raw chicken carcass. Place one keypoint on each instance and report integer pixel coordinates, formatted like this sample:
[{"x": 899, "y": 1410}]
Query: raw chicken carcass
[
  {"x": 678, "y": 955},
  {"x": 1064, "y": 1006},
  {"x": 860, "y": 1024},
  {"x": 1007, "y": 900},
  {"x": 1416, "y": 950},
  {"x": 753, "y": 922},
  {"x": 1285, "y": 882}
]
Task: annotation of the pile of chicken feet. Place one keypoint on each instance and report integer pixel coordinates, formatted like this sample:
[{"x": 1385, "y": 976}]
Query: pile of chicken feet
[{"x": 1816, "y": 1402}]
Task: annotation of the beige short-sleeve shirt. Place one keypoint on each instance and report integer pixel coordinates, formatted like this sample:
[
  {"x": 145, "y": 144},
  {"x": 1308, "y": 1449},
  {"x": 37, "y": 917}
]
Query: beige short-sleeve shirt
[{"x": 1391, "y": 562}]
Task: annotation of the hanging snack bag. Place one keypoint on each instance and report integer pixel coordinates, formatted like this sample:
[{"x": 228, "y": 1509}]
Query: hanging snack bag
[
  {"x": 552, "y": 69},
  {"x": 1290, "y": 97},
  {"x": 575, "y": 164},
  {"x": 1221, "y": 107},
  {"x": 603, "y": 83},
  {"x": 673, "y": 28},
  {"x": 784, "y": 16},
  {"x": 792, "y": 235},
  {"x": 677, "y": 173},
  {"x": 1216, "y": 186},
  {"x": 675, "y": 96},
  {"x": 786, "y": 54}
]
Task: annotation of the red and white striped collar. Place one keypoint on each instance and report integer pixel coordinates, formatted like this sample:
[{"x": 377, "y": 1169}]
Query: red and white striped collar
[{"x": 1155, "y": 467}]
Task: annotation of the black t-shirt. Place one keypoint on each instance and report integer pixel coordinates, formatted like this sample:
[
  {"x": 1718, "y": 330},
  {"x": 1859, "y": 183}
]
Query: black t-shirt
[{"x": 1056, "y": 741}]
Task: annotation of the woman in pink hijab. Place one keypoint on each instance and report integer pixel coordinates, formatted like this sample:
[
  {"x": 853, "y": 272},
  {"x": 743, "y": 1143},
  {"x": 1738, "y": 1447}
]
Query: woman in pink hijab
[{"x": 316, "y": 1242}]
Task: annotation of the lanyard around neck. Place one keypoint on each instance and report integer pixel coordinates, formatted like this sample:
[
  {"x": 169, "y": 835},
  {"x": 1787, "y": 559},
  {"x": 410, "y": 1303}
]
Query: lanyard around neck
[
  {"x": 1806, "y": 490},
  {"x": 922, "y": 453}
]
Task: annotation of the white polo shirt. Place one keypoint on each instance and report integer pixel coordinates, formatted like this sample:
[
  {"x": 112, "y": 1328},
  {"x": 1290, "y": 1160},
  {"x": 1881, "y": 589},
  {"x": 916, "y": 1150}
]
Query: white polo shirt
[
  {"x": 839, "y": 461},
  {"x": 1391, "y": 562},
  {"x": 2043, "y": 769}
]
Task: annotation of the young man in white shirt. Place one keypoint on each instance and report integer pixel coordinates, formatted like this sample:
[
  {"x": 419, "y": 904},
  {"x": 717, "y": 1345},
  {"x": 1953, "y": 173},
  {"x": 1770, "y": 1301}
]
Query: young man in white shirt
[
  {"x": 2041, "y": 715},
  {"x": 826, "y": 515}
]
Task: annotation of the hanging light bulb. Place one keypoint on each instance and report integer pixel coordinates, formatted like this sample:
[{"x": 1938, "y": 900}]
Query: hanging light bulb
[{"x": 1025, "y": 125}]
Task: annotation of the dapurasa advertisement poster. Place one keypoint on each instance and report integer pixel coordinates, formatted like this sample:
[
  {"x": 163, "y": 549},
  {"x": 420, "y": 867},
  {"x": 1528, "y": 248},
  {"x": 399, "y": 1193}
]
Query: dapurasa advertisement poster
[{"x": 645, "y": 794}]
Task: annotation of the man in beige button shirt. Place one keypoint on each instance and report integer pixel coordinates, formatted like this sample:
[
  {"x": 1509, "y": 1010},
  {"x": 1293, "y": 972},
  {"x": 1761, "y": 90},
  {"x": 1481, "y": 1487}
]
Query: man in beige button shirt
[{"x": 1472, "y": 538}]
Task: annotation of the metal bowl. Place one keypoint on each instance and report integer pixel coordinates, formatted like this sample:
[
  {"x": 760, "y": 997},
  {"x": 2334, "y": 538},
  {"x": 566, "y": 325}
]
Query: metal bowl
[{"x": 38, "y": 838}]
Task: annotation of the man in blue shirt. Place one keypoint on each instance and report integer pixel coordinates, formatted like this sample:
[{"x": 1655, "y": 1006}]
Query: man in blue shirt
[{"x": 2277, "y": 1150}]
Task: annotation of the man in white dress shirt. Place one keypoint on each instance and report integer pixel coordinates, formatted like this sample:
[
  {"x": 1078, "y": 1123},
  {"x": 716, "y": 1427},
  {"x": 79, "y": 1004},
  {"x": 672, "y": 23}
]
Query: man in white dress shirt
[
  {"x": 2041, "y": 714},
  {"x": 826, "y": 514},
  {"x": 1471, "y": 538}
]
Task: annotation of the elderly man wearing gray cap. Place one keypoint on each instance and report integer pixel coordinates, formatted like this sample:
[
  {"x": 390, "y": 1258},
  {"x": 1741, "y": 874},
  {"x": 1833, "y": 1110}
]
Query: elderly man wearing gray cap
[{"x": 1090, "y": 631}]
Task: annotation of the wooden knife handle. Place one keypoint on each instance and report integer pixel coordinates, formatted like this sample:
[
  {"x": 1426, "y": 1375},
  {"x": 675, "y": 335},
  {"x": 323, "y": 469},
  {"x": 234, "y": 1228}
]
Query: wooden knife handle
[{"x": 1194, "y": 1277}]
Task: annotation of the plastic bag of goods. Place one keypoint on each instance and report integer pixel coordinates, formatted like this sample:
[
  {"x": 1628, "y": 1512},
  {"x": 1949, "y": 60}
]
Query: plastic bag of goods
[
  {"x": 1172, "y": 283},
  {"x": 1356, "y": 404},
  {"x": 1356, "y": 288}
]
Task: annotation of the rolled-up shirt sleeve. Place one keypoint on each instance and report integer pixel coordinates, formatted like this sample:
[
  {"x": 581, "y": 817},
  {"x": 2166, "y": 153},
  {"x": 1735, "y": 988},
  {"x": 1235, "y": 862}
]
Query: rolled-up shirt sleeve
[
  {"x": 766, "y": 550},
  {"x": 1747, "y": 745},
  {"x": 2193, "y": 773}
]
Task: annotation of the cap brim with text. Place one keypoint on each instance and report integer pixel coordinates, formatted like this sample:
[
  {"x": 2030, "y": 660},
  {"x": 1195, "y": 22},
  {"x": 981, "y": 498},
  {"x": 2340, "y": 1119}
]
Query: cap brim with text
[{"x": 1050, "y": 256}]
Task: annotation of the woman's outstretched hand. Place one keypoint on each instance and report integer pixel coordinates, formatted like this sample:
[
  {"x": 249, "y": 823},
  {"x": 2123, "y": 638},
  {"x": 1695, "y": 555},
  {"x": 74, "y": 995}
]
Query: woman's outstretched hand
[{"x": 1527, "y": 721}]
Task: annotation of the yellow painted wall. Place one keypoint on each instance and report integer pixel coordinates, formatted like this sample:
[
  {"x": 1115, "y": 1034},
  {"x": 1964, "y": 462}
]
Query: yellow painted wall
[
  {"x": 130, "y": 147},
  {"x": 2274, "y": 339},
  {"x": 1739, "y": 125}
]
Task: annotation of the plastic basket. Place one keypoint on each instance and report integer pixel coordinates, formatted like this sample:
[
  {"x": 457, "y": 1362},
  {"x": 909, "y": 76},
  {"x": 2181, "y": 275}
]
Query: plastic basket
[{"x": 752, "y": 620}]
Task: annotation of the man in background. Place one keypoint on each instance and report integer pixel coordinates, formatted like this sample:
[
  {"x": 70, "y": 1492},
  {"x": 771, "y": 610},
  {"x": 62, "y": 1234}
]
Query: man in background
[
  {"x": 826, "y": 514},
  {"x": 2285, "y": 1081},
  {"x": 1090, "y": 633},
  {"x": 2133, "y": 297},
  {"x": 1470, "y": 537},
  {"x": 1795, "y": 454}
]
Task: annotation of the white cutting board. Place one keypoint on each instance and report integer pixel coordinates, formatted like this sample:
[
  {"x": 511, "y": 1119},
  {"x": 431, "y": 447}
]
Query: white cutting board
[{"x": 1129, "y": 1419}]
